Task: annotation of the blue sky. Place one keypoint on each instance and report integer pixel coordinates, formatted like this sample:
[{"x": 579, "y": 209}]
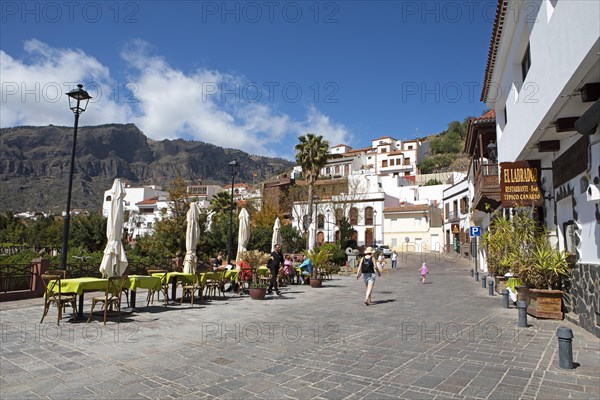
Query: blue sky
[{"x": 248, "y": 75}]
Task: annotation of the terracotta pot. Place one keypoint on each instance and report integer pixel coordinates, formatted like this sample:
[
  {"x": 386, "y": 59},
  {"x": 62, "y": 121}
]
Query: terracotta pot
[
  {"x": 316, "y": 282},
  {"x": 542, "y": 303},
  {"x": 257, "y": 293}
]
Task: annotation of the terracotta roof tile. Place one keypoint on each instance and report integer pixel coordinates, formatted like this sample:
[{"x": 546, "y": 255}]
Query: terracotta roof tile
[{"x": 493, "y": 50}]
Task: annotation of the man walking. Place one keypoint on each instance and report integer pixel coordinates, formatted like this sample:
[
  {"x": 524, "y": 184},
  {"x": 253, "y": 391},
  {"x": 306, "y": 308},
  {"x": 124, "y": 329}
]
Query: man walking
[
  {"x": 275, "y": 262},
  {"x": 394, "y": 259}
]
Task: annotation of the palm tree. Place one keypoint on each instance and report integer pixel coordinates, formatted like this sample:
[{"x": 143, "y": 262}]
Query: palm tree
[
  {"x": 311, "y": 154},
  {"x": 221, "y": 202}
]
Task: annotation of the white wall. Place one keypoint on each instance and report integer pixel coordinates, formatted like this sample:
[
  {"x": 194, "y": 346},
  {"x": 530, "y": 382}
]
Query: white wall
[{"x": 558, "y": 49}]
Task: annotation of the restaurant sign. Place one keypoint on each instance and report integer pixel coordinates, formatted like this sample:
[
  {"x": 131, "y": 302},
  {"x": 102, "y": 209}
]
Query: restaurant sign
[
  {"x": 455, "y": 229},
  {"x": 520, "y": 183}
]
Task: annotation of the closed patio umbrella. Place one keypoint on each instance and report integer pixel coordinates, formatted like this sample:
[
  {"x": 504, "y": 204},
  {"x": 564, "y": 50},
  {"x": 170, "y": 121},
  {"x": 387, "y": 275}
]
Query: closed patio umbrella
[
  {"x": 276, "y": 234},
  {"x": 192, "y": 235},
  {"x": 243, "y": 232},
  {"x": 311, "y": 235},
  {"x": 114, "y": 261}
]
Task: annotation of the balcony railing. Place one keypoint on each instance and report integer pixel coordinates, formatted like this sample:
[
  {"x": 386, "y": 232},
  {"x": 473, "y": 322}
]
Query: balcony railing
[{"x": 487, "y": 186}]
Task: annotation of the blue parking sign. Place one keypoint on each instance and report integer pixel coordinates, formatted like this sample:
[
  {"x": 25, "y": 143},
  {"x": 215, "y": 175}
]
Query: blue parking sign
[{"x": 474, "y": 231}]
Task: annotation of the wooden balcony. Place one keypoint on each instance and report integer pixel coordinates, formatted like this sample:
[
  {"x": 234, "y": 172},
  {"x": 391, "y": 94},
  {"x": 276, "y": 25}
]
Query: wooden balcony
[{"x": 487, "y": 187}]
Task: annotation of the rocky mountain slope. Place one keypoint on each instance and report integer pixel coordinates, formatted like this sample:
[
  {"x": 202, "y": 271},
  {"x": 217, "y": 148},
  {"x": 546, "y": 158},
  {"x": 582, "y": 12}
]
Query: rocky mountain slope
[{"x": 35, "y": 161}]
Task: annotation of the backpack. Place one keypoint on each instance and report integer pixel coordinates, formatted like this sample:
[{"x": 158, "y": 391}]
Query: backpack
[{"x": 366, "y": 266}]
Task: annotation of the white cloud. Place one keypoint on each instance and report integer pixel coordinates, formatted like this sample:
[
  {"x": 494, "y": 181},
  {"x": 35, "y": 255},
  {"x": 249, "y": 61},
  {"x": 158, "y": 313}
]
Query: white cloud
[
  {"x": 165, "y": 103},
  {"x": 34, "y": 91}
]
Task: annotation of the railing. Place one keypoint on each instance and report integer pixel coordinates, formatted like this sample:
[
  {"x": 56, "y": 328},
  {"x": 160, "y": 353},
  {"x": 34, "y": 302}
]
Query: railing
[
  {"x": 487, "y": 174},
  {"x": 16, "y": 277}
]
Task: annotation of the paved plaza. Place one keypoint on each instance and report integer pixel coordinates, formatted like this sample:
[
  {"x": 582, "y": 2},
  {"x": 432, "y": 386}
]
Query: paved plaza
[{"x": 446, "y": 339}]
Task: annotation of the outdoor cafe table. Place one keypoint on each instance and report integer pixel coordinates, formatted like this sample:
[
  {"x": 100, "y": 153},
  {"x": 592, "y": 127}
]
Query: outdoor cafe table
[
  {"x": 144, "y": 282},
  {"x": 83, "y": 284},
  {"x": 173, "y": 277}
]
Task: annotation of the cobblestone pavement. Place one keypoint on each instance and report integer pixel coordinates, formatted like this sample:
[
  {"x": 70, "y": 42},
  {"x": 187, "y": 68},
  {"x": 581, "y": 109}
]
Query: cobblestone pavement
[{"x": 446, "y": 339}]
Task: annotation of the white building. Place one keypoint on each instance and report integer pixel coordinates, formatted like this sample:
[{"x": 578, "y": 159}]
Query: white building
[
  {"x": 143, "y": 207},
  {"x": 457, "y": 218},
  {"x": 413, "y": 227},
  {"x": 543, "y": 80}
]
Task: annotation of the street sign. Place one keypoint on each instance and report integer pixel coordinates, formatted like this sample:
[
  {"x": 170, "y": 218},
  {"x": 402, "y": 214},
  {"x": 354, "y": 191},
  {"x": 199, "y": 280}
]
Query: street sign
[{"x": 474, "y": 231}]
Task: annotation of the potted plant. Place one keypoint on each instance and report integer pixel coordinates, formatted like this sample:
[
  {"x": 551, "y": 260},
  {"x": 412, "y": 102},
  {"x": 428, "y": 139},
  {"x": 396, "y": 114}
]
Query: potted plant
[
  {"x": 255, "y": 259},
  {"x": 500, "y": 250},
  {"x": 318, "y": 258},
  {"x": 543, "y": 277},
  {"x": 509, "y": 244}
]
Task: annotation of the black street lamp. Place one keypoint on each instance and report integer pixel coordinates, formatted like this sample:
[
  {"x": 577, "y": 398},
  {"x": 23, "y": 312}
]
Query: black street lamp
[
  {"x": 492, "y": 150},
  {"x": 233, "y": 170},
  {"x": 78, "y": 101},
  {"x": 375, "y": 227}
]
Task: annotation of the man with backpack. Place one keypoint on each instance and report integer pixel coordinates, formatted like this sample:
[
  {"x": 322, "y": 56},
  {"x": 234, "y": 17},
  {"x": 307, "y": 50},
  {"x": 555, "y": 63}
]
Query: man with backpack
[{"x": 368, "y": 269}]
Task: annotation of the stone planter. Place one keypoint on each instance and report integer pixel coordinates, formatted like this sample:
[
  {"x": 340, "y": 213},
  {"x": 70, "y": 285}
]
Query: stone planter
[
  {"x": 521, "y": 293},
  {"x": 500, "y": 283},
  {"x": 542, "y": 303},
  {"x": 257, "y": 293}
]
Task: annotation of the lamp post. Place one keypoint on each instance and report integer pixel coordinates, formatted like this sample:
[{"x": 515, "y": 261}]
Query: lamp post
[
  {"x": 233, "y": 169},
  {"x": 492, "y": 150},
  {"x": 375, "y": 227},
  {"x": 315, "y": 199},
  {"x": 78, "y": 101},
  {"x": 328, "y": 226}
]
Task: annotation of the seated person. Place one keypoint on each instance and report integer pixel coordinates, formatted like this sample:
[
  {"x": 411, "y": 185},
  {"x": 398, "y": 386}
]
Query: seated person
[
  {"x": 288, "y": 270},
  {"x": 244, "y": 272},
  {"x": 306, "y": 268}
]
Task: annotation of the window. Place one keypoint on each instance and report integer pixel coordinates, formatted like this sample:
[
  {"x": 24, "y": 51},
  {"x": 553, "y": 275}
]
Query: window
[
  {"x": 463, "y": 205},
  {"x": 384, "y": 150},
  {"x": 353, "y": 216},
  {"x": 525, "y": 63},
  {"x": 407, "y": 173},
  {"x": 327, "y": 170},
  {"x": 406, "y": 161},
  {"x": 346, "y": 169},
  {"x": 337, "y": 169},
  {"x": 339, "y": 214},
  {"x": 391, "y": 162},
  {"x": 320, "y": 221},
  {"x": 369, "y": 216},
  {"x": 447, "y": 213},
  {"x": 384, "y": 163},
  {"x": 409, "y": 147}
]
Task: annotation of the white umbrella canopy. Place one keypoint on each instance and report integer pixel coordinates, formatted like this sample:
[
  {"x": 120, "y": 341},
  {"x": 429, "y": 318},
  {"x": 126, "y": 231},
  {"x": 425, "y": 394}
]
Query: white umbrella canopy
[
  {"x": 114, "y": 262},
  {"x": 311, "y": 236},
  {"x": 243, "y": 232},
  {"x": 276, "y": 234},
  {"x": 192, "y": 234}
]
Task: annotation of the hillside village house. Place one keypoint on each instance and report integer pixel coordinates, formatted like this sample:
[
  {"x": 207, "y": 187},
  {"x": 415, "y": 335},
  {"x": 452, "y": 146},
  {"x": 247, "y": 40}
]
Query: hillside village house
[
  {"x": 457, "y": 218},
  {"x": 483, "y": 175},
  {"x": 543, "y": 80},
  {"x": 381, "y": 198}
]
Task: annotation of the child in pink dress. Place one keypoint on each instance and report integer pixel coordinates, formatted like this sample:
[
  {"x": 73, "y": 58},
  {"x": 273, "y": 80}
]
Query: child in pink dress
[{"x": 424, "y": 272}]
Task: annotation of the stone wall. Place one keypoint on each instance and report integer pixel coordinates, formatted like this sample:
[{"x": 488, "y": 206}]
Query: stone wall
[{"x": 582, "y": 298}]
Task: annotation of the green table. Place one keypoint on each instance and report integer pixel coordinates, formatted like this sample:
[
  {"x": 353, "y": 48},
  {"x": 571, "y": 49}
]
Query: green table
[
  {"x": 173, "y": 277},
  {"x": 79, "y": 286},
  {"x": 144, "y": 282},
  {"x": 86, "y": 284}
]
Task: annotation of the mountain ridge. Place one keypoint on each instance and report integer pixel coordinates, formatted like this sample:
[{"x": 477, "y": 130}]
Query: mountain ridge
[{"x": 35, "y": 163}]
